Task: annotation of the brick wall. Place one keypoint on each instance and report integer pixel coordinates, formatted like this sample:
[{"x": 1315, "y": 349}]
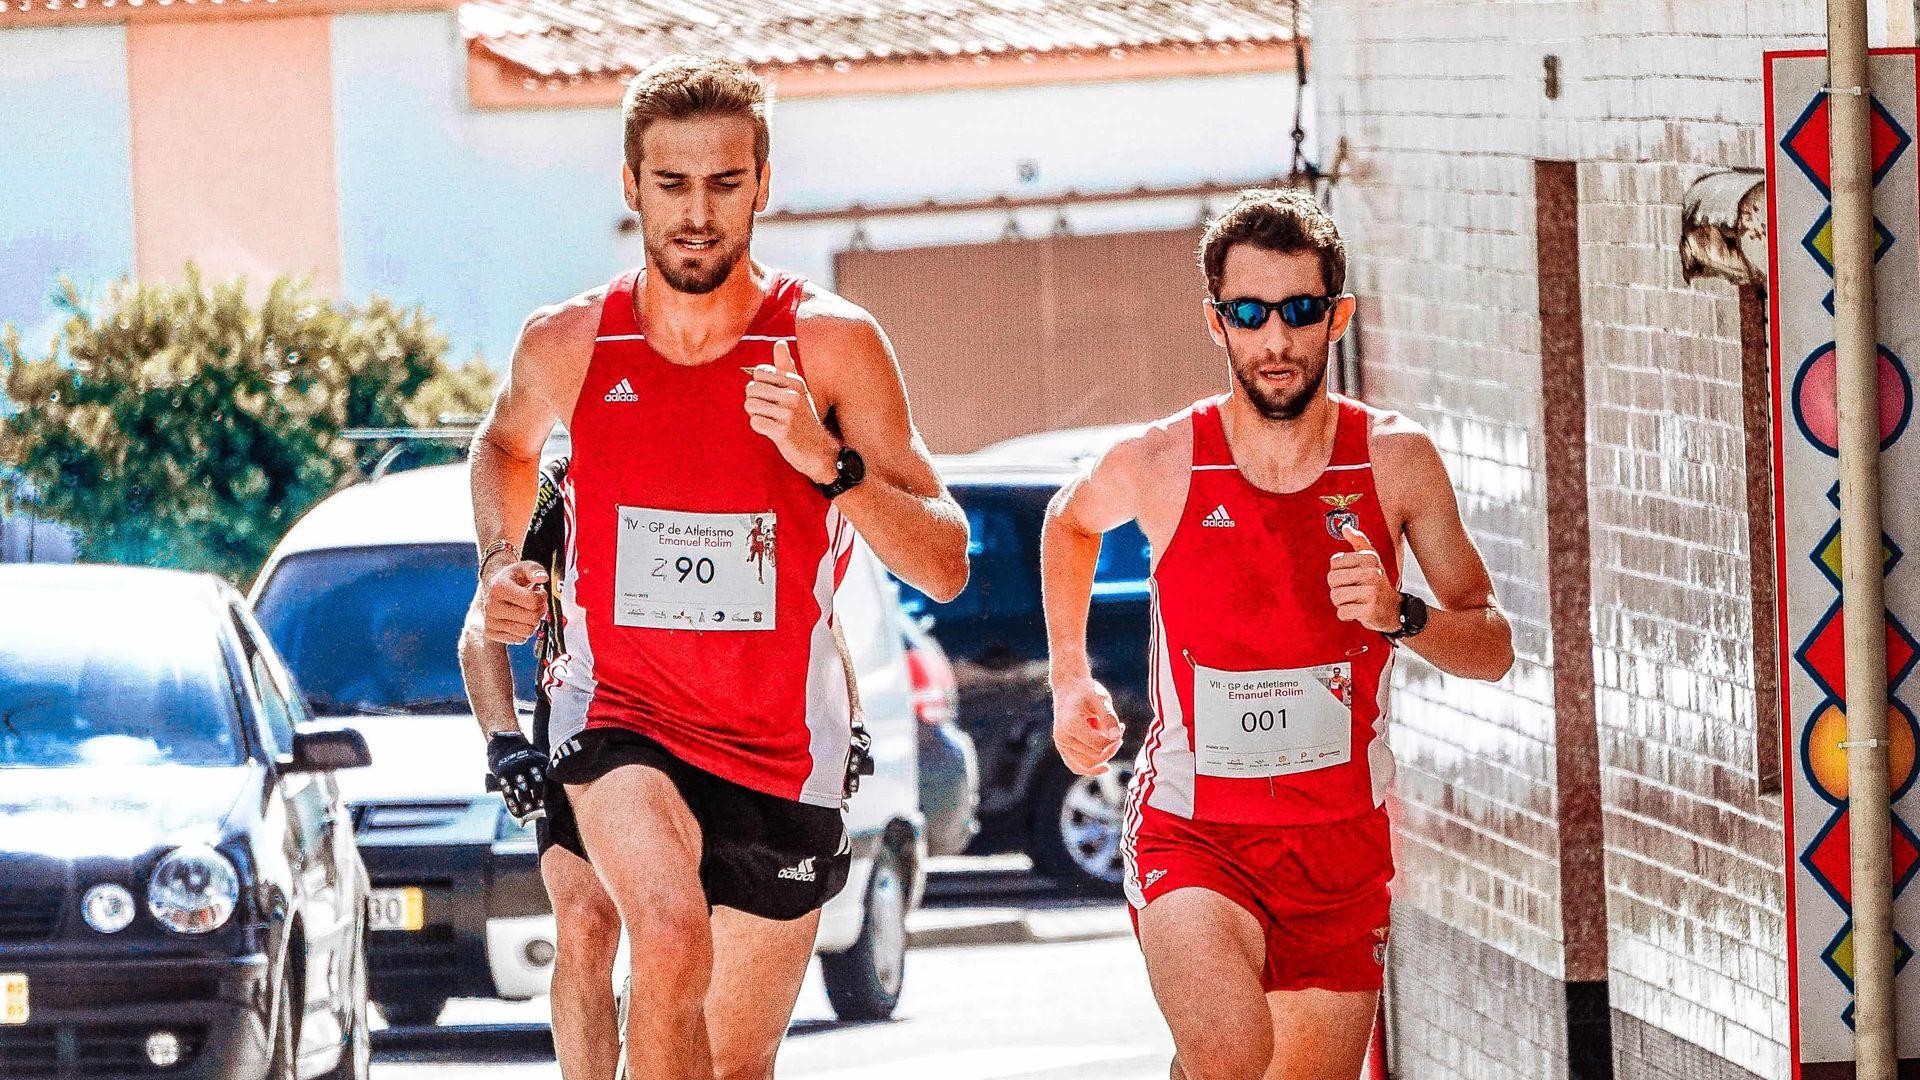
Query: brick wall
[{"x": 1444, "y": 110}]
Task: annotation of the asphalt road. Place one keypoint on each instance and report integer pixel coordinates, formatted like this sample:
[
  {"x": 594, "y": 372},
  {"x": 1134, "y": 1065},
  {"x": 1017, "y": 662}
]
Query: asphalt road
[{"x": 1009, "y": 980}]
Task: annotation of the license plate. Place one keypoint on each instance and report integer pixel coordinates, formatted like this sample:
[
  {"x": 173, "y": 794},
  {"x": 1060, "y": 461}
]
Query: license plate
[
  {"x": 396, "y": 909},
  {"x": 13, "y": 999}
]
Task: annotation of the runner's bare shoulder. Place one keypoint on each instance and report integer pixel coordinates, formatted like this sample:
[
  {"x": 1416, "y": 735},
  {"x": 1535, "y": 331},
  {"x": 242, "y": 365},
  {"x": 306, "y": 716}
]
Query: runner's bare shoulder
[
  {"x": 1143, "y": 477},
  {"x": 826, "y": 320},
  {"x": 1396, "y": 441},
  {"x": 556, "y": 344}
]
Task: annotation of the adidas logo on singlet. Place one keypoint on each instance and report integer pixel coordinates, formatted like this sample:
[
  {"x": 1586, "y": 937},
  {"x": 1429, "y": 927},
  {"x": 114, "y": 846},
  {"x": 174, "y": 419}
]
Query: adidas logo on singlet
[
  {"x": 622, "y": 391},
  {"x": 1219, "y": 519},
  {"x": 802, "y": 872}
]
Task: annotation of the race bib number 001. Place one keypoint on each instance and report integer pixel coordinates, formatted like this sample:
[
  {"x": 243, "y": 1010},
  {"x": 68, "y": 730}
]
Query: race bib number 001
[
  {"x": 1272, "y": 723},
  {"x": 676, "y": 570}
]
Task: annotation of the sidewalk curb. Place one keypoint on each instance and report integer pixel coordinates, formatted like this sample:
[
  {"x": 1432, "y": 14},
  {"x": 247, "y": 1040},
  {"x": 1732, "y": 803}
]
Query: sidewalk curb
[{"x": 945, "y": 928}]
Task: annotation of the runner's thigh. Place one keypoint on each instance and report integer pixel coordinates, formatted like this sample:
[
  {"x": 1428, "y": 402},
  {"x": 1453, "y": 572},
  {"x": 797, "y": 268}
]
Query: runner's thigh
[
  {"x": 643, "y": 840},
  {"x": 758, "y": 966},
  {"x": 1204, "y": 956},
  {"x": 1320, "y": 1033}
]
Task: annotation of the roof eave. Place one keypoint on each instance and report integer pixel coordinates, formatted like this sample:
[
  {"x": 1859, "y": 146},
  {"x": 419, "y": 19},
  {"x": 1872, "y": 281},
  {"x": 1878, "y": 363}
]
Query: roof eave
[{"x": 496, "y": 82}]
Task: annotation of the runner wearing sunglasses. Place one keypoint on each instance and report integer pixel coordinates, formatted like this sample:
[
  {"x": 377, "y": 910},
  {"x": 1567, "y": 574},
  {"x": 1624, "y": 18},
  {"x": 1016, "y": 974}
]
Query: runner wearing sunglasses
[
  {"x": 700, "y": 708},
  {"x": 1256, "y": 845}
]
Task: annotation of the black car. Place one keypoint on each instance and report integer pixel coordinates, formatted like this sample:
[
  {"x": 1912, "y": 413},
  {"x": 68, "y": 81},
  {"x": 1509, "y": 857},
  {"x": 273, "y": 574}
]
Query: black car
[
  {"x": 995, "y": 634},
  {"x": 179, "y": 889}
]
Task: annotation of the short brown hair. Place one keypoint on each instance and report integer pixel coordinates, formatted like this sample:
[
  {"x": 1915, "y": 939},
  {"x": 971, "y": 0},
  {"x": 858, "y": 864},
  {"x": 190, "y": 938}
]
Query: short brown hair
[
  {"x": 1286, "y": 221},
  {"x": 683, "y": 87}
]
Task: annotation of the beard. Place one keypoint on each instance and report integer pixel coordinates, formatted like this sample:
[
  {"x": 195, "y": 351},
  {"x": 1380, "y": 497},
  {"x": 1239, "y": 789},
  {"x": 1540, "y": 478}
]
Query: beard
[
  {"x": 702, "y": 273},
  {"x": 1278, "y": 404}
]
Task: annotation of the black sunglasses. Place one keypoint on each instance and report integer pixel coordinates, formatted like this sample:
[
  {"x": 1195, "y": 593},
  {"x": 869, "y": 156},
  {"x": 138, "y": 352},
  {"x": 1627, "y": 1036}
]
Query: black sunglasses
[{"x": 1246, "y": 313}]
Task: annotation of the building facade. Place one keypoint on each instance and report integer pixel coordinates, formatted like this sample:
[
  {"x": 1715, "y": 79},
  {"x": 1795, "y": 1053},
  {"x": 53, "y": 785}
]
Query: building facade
[
  {"x": 466, "y": 158},
  {"x": 1591, "y": 852}
]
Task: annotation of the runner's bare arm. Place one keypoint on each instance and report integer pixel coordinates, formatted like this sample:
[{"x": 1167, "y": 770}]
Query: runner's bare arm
[
  {"x": 902, "y": 509},
  {"x": 489, "y": 675},
  {"x": 1086, "y": 730},
  {"x": 1467, "y": 634},
  {"x": 549, "y": 363}
]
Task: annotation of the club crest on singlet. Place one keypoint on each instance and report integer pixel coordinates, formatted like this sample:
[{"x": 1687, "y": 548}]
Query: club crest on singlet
[{"x": 1340, "y": 516}]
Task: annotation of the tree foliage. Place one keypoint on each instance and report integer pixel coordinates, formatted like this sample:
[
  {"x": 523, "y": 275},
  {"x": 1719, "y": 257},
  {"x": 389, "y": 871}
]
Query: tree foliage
[{"x": 185, "y": 425}]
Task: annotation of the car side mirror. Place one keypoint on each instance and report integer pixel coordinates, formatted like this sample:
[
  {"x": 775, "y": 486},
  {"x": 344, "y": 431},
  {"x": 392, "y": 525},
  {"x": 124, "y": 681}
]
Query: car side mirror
[{"x": 326, "y": 749}]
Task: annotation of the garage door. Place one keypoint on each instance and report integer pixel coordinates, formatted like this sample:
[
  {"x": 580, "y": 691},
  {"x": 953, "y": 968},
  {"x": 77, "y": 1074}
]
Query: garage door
[{"x": 1018, "y": 336}]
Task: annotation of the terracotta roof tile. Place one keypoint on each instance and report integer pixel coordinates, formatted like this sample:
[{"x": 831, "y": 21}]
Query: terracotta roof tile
[{"x": 570, "y": 38}]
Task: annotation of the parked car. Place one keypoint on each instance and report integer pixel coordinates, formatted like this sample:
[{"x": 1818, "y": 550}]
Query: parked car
[
  {"x": 995, "y": 634},
  {"x": 179, "y": 889},
  {"x": 949, "y": 766},
  {"x": 366, "y": 595}
]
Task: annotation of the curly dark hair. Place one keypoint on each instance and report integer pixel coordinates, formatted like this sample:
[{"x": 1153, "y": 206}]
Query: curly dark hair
[{"x": 1286, "y": 221}]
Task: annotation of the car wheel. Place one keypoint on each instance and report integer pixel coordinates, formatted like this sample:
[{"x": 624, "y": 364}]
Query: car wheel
[
  {"x": 1077, "y": 825},
  {"x": 413, "y": 1012},
  {"x": 286, "y": 1033},
  {"x": 356, "y": 1058},
  {"x": 864, "y": 982}
]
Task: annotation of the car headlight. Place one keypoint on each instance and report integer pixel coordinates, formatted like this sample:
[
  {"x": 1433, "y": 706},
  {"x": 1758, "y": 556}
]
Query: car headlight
[
  {"x": 107, "y": 908},
  {"x": 193, "y": 890}
]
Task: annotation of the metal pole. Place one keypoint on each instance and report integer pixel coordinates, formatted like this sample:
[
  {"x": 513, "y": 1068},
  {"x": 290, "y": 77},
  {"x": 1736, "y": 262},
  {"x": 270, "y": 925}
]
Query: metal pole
[{"x": 1862, "y": 586}]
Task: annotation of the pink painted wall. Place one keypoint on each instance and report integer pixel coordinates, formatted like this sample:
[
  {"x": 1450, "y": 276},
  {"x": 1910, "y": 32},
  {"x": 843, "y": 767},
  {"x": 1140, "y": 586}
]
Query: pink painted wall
[{"x": 233, "y": 149}]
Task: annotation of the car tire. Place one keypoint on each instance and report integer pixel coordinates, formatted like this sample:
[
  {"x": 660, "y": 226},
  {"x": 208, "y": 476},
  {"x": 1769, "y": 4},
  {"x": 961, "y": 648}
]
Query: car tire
[
  {"x": 284, "y": 1064},
  {"x": 413, "y": 1012},
  {"x": 356, "y": 1058},
  {"x": 1075, "y": 839},
  {"x": 864, "y": 982}
]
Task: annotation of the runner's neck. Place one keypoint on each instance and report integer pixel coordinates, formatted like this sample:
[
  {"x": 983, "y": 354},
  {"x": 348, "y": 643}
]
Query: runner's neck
[
  {"x": 1280, "y": 455},
  {"x": 692, "y": 329}
]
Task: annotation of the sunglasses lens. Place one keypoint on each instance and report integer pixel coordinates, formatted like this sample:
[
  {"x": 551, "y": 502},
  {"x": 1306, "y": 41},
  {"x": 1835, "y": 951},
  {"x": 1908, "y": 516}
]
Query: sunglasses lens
[
  {"x": 1245, "y": 314},
  {"x": 1299, "y": 311}
]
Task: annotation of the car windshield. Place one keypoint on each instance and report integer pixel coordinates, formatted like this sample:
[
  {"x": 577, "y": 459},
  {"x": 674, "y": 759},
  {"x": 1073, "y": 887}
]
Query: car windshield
[
  {"x": 1000, "y": 565},
  {"x": 372, "y": 631},
  {"x": 106, "y": 676}
]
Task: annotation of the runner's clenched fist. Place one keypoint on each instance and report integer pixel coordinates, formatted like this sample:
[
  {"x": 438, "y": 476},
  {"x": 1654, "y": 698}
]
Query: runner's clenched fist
[
  {"x": 781, "y": 407},
  {"x": 515, "y": 601},
  {"x": 1359, "y": 586}
]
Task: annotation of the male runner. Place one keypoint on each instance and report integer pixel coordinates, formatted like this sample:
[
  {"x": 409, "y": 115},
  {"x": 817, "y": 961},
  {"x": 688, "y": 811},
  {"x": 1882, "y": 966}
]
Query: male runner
[
  {"x": 1256, "y": 846},
  {"x": 700, "y": 712}
]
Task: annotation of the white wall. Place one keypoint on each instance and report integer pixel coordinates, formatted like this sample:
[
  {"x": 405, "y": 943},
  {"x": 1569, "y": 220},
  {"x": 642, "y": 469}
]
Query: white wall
[
  {"x": 66, "y": 179},
  {"x": 483, "y": 215}
]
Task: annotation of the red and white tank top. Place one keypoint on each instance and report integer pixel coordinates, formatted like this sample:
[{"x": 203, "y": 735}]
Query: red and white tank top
[
  {"x": 701, "y": 567},
  {"x": 1268, "y": 710}
]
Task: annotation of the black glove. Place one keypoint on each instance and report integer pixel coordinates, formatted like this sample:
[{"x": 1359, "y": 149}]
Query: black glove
[
  {"x": 859, "y": 758},
  {"x": 519, "y": 774}
]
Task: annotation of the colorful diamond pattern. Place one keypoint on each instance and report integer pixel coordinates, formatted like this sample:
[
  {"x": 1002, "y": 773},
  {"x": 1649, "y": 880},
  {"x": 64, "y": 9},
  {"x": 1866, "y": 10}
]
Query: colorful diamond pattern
[
  {"x": 1824, "y": 654},
  {"x": 1806, "y": 143},
  {"x": 1819, "y": 241},
  {"x": 1839, "y": 957},
  {"x": 1827, "y": 555},
  {"x": 1827, "y": 859}
]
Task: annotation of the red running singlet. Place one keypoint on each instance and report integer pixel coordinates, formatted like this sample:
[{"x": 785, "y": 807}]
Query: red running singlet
[
  {"x": 1268, "y": 710},
  {"x": 701, "y": 567}
]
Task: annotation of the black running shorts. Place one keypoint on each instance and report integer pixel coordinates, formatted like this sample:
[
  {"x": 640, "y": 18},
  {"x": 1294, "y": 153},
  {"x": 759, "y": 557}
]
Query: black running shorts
[{"x": 762, "y": 854}]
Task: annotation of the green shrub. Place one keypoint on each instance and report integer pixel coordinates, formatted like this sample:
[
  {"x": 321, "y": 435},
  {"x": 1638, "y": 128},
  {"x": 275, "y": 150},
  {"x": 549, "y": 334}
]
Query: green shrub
[{"x": 184, "y": 425}]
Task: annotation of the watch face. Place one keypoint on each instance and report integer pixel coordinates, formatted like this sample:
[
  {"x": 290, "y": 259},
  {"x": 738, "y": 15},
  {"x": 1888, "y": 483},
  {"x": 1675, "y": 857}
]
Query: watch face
[{"x": 852, "y": 468}]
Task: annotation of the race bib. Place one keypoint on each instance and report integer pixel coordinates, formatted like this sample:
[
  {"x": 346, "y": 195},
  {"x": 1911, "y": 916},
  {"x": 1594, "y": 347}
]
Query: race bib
[
  {"x": 1272, "y": 723},
  {"x": 676, "y": 570}
]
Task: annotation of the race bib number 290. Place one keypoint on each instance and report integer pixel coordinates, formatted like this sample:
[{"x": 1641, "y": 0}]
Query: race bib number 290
[{"x": 676, "y": 570}]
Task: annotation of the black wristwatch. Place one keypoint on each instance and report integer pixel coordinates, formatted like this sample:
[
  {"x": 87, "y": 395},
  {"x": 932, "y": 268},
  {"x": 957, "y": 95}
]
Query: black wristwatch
[
  {"x": 1413, "y": 617},
  {"x": 849, "y": 469}
]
